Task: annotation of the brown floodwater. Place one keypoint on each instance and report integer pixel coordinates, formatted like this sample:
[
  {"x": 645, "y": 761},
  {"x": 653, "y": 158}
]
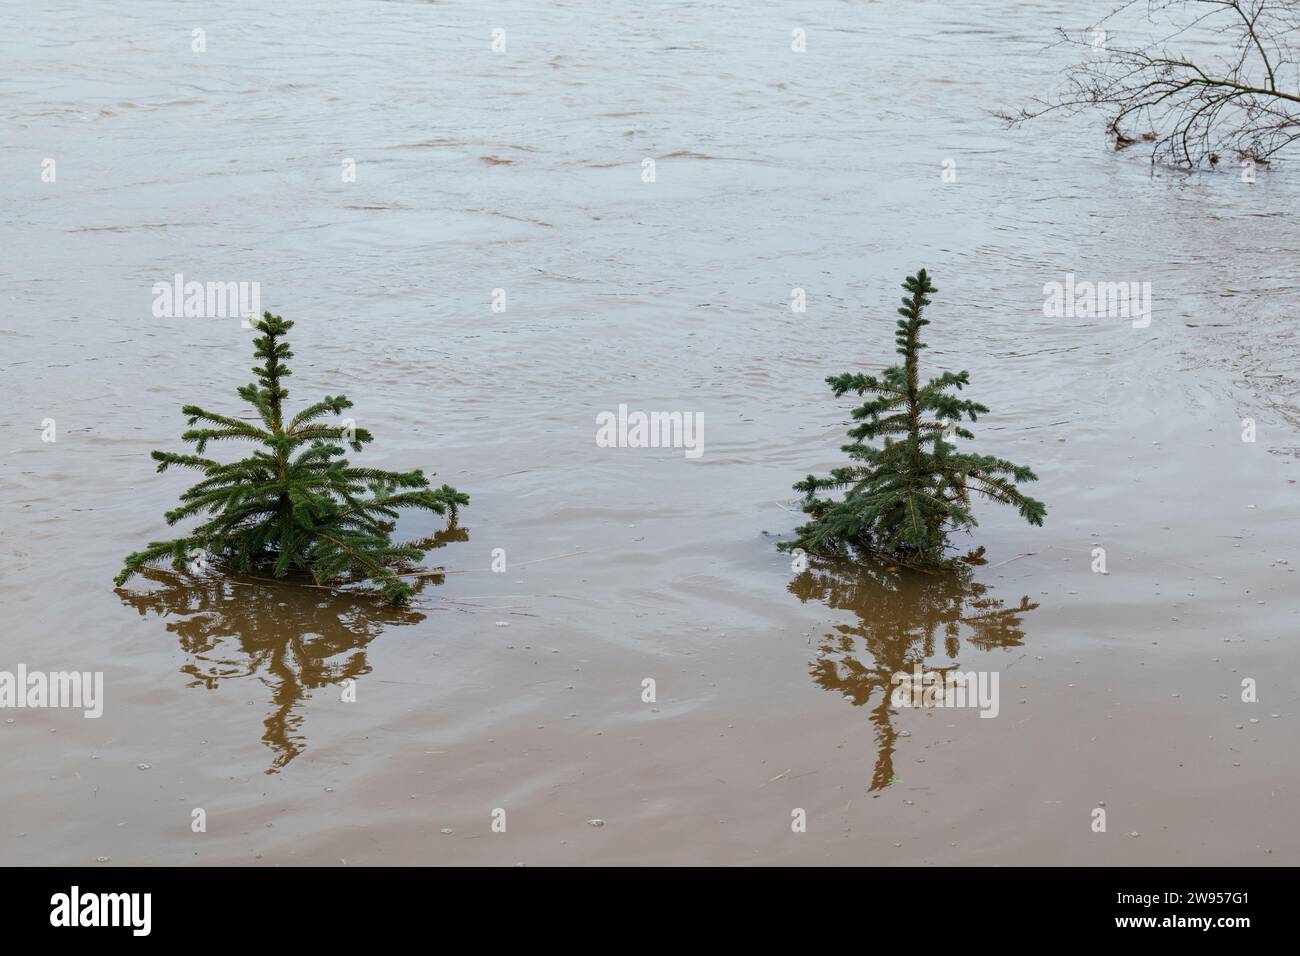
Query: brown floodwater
[{"x": 523, "y": 690}]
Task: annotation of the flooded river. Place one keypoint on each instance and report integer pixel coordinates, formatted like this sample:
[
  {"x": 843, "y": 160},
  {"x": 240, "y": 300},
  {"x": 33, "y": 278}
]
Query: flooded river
[{"x": 470, "y": 249}]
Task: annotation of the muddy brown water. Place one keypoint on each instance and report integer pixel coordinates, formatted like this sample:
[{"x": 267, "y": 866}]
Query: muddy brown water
[{"x": 522, "y": 690}]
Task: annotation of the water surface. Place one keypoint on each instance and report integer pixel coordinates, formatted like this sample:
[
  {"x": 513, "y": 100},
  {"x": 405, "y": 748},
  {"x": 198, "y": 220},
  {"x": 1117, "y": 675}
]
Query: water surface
[{"x": 521, "y": 171}]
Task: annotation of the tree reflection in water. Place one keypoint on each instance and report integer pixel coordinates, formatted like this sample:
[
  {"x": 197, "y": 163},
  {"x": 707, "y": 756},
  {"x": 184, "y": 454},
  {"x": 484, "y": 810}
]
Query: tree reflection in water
[
  {"x": 293, "y": 639},
  {"x": 904, "y": 618}
]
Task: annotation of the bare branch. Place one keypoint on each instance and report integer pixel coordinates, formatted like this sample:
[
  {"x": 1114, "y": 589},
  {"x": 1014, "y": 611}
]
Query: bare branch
[{"x": 1218, "y": 78}]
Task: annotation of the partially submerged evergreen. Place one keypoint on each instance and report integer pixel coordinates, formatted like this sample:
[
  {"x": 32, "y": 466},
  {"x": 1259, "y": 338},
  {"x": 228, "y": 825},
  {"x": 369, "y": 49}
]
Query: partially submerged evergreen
[
  {"x": 294, "y": 504},
  {"x": 901, "y": 499}
]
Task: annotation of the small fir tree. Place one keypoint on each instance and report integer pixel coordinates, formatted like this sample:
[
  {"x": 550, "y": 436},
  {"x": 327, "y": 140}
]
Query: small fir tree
[
  {"x": 900, "y": 500},
  {"x": 295, "y": 504}
]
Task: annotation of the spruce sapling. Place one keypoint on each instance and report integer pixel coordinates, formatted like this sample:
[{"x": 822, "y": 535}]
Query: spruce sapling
[
  {"x": 901, "y": 499},
  {"x": 294, "y": 504}
]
